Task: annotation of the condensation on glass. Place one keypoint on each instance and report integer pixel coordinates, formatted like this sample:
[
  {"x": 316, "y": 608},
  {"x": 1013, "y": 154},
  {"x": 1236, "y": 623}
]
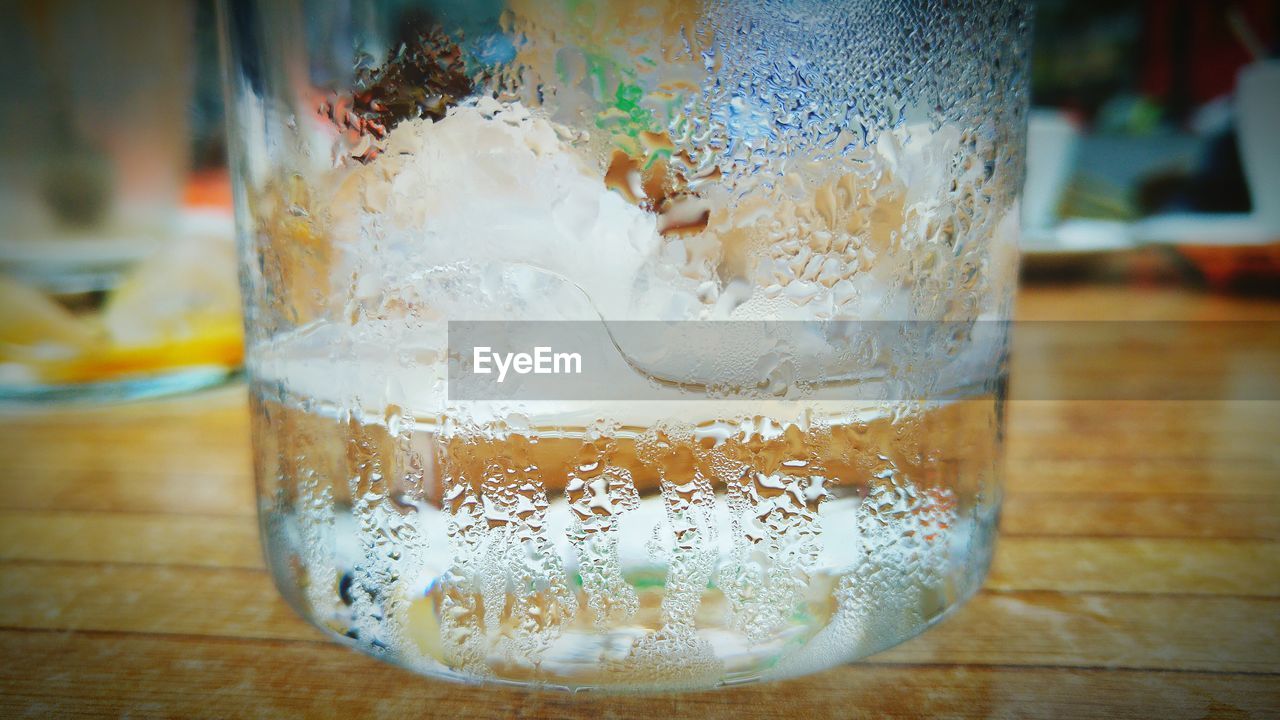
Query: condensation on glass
[{"x": 401, "y": 165}]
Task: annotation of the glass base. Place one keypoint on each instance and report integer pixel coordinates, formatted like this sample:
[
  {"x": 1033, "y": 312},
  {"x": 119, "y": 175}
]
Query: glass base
[{"x": 162, "y": 384}]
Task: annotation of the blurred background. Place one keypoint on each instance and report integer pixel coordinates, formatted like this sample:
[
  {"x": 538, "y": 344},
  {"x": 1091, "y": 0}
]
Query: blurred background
[
  {"x": 1152, "y": 152},
  {"x": 1152, "y": 159},
  {"x": 117, "y": 258}
]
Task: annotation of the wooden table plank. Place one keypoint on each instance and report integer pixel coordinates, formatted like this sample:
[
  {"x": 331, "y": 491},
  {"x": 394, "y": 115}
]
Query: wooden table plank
[
  {"x": 90, "y": 537},
  {"x": 1163, "y": 632},
  {"x": 164, "y": 599},
  {"x": 111, "y": 489},
  {"x": 1143, "y": 515},
  {"x": 56, "y": 674},
  {"x": 1137, "y": 565},
  {"x": 1137, "y": 576},
  {"x": 1179, "y": 476},
  {"x": 1012, "y": 628},
  {"x": 1074, "y": 302},
  {"x": 1100, "y": 428}
]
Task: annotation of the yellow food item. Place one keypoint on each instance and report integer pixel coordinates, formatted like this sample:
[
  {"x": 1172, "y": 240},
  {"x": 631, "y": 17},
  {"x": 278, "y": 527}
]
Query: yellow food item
[
  {"x": 180, "y": 308},
  {"x": 177, "y": 294},
  {"x": 213, "y": 346}
]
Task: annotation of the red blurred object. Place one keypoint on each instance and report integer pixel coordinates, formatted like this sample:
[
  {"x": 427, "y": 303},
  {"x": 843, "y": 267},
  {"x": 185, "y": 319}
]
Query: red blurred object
[
  {"x": 208, "y": 189},
  {"x": 1191, "y": 53},
  {"x": 1226, "y": 267}
]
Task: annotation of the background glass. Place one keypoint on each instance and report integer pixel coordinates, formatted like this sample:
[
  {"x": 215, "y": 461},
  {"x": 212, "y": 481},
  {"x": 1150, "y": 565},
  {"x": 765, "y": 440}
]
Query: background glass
[{"x": 109, "y": 287}]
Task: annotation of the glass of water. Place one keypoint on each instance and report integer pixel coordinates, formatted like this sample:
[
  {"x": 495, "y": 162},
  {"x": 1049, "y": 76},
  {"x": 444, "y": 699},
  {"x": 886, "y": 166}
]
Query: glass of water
[{"x": 627, "y": 345}]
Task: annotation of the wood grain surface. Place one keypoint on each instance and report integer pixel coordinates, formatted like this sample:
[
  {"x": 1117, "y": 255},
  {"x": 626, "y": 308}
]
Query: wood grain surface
[{"x": 1137, "y": 575}]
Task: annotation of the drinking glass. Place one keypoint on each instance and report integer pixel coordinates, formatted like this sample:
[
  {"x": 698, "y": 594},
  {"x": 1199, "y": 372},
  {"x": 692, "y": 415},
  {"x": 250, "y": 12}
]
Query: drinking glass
[
  {"x": 111, "y": 287},
  {"x": 779, "y": 240}
]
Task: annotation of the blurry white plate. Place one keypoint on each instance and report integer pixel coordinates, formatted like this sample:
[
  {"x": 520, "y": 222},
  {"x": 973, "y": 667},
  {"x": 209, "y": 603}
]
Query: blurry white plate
[
  {"x": 1073, "y": 246},
  {"x": 86, "y": 262},
  {"x": 1204, "y": 229},
  {"x": 1078, "y": 236}
]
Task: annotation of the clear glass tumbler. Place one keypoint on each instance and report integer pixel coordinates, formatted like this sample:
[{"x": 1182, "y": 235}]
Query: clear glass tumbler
[{"x": 796, "y": 223}]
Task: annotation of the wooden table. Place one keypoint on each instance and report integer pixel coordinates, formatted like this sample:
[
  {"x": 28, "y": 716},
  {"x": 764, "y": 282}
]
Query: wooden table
[{"x": 1138, "y": 574}]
